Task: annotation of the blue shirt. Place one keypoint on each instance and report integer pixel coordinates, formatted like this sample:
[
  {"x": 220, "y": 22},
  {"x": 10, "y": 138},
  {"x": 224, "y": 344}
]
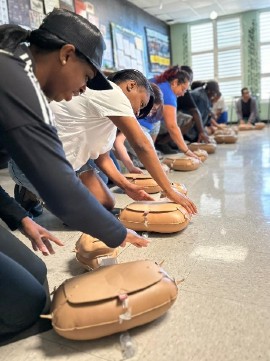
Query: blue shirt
[
  {"x": 168, "y": 95},
  {"x": 147, "y": 122},
  {"x": 169, "y": 99}
]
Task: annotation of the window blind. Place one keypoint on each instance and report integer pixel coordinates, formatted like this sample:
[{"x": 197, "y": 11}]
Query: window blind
[{"x": 265, "y": 54}]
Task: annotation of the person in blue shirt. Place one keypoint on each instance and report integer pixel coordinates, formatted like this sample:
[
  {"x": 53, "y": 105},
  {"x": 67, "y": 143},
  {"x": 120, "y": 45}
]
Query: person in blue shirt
[
  {"x": 173, "y": 83},
  {"x": 151, "y": 123}
]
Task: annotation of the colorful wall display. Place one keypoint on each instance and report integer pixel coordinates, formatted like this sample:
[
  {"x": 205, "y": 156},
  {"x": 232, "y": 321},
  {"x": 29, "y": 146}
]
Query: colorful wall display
[
  {"x": 158, "y": 46},
  {"x": 127, "y": 48},
  {"x": 18, "y": 11}
]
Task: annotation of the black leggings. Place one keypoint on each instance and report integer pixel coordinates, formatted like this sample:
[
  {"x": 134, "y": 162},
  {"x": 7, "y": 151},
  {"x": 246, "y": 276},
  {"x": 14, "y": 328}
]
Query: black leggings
[{"x": 23, "y": 295}]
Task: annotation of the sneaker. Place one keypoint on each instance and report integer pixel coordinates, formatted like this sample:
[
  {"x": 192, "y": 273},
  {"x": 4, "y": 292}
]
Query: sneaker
[{"x": 28, "y": 201}]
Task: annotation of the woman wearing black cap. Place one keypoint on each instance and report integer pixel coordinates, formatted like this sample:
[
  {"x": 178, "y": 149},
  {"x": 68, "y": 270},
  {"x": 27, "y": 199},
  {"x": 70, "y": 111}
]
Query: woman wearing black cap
[{"x": 64, "y": 56}]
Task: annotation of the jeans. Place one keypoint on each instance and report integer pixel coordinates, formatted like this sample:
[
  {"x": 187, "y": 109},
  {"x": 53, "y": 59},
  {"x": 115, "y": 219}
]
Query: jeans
[
  {"x": 20, "y": 178},
  {"x": 91, "y": 165},
  {"x": 223, "y": 118}
]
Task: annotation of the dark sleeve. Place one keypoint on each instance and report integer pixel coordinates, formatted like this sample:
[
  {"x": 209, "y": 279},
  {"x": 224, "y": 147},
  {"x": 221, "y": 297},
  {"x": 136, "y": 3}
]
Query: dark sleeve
[
  {"x": 185, "y": 102},
  {"x": 10, "y": 211},
  {"x": 239, "y": 110},
  {"x": 253, "y": 110},
  {"x": 37, "y": 150}
]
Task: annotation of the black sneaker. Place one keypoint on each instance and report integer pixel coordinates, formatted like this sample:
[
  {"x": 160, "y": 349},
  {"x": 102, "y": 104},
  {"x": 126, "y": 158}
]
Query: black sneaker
[{"x": 28, "y": 200}]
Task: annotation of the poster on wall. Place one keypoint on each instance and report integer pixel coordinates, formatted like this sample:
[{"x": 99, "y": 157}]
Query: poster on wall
[
  {"x": 36, "y": 13},
  {"x": 18, "y": 11},
  {"x": 86, "y": 10},
  {"x": 37, "y": 5},
  {"x": 127, "y": 48},
  {"x": 50, "y": 5},
  {"x": 107, "y": 59},
  {"x": 158, "y": 46},
  {"x": 67, "y": 4},
  {"x": 3, "y": 12},
  {"x": 36, "y": 19}
]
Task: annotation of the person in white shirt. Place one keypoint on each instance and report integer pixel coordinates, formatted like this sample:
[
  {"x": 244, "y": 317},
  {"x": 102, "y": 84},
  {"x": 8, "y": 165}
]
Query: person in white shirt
[
  {"x": 87, "y": 127},
  {"x": 220, "y": 110}
]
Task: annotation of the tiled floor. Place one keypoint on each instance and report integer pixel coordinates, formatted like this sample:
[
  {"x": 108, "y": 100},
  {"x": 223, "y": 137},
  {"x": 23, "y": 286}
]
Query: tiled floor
[{"x": 223, "y": 257}]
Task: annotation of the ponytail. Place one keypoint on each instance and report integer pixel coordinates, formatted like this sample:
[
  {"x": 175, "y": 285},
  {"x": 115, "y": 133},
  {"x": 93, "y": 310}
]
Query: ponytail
[
  {"x": 175, "y": 72},
  {"x": 11, "y": 36}
]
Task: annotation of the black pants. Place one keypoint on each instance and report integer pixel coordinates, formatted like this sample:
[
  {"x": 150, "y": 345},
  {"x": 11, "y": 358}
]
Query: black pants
[{"x": 23, "y": 287}]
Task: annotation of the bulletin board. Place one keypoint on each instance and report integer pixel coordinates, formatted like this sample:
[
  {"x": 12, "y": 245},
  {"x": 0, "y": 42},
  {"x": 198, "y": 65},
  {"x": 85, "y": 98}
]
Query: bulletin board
[
  {"x": 18, "y": 11},
  {"x": 49, "y": 5},
  {"x": 30, "y": 13},
  {"x": 158, "y": 47},
  {"x": 127, "y": 48}
]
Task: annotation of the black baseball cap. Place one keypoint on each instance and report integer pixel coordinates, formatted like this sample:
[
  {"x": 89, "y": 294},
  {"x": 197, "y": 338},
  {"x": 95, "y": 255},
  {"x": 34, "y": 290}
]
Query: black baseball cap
[{"x": 85, "y": 36}]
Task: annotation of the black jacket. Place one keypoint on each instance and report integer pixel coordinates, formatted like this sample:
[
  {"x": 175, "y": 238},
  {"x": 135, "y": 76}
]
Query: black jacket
[{"x": 28, "y": 135}]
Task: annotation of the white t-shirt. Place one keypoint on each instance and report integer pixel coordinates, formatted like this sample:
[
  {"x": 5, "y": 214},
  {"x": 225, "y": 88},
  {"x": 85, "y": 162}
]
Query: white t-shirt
[
  {"x": 220, "y": 106},
  {"x": 83, "y": 124}
]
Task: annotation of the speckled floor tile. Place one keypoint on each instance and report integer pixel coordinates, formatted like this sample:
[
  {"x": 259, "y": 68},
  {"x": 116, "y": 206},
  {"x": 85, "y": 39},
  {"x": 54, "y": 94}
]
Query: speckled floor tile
[
  {"x": 222, "y": 260},
  {"x": 207, "y": 328}
]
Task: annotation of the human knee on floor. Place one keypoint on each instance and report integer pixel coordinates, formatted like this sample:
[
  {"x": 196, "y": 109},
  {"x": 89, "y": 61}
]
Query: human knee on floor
[{"x": 22, "y": 297}]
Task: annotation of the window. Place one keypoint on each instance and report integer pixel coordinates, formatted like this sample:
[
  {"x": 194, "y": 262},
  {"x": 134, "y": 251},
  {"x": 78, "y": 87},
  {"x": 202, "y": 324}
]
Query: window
[
  {"x": 202, "y": 49},
  {"x": 216, "y": 54},
  {"x": 265, "y": 54}
]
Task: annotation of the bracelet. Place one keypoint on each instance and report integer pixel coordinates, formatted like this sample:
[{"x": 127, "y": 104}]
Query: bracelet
[{"x": 186, "y": 151}]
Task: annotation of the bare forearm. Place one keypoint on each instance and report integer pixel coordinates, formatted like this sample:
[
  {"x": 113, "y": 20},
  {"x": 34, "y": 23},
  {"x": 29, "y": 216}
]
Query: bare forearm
[
  {"x": 122, "y": 154},
  {"x": 147, "y": 155},
  {"x": 177, "y": 137},
  {"x": 198, "y": 121},
  {"x": 106, "y": 164}
]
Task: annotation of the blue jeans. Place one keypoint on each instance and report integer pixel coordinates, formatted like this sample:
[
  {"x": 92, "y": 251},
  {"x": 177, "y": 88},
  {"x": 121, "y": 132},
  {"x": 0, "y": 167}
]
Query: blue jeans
[
  {"x": 92, "y": 165},
  {"x": 223, "y": 118},
  {"x": 20, "y": 178}
]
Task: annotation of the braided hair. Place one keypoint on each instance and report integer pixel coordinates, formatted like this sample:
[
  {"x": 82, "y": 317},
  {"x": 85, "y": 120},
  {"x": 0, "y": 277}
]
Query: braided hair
[{"x": 133, "y": 74}]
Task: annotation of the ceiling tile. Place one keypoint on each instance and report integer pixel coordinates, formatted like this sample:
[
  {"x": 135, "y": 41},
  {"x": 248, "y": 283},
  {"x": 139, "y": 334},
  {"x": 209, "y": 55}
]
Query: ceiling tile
[{"x": 191, "y": 10}]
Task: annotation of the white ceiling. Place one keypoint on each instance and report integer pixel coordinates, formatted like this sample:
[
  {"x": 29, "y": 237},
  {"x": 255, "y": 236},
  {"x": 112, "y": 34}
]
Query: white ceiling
[{"x": 183, "y": 11}]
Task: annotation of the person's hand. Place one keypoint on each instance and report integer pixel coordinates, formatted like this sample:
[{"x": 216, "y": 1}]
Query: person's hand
[
  {"x": 136, "y": 170},
  {"x": 40, "y": 238},
  {"x": 203, "y": 138},
  {"x": 181, "y": 199},
  {"x": 189, "y": 153},
  {"x": 137, "y": 193},
  {"x": 133, "y": 238}
]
